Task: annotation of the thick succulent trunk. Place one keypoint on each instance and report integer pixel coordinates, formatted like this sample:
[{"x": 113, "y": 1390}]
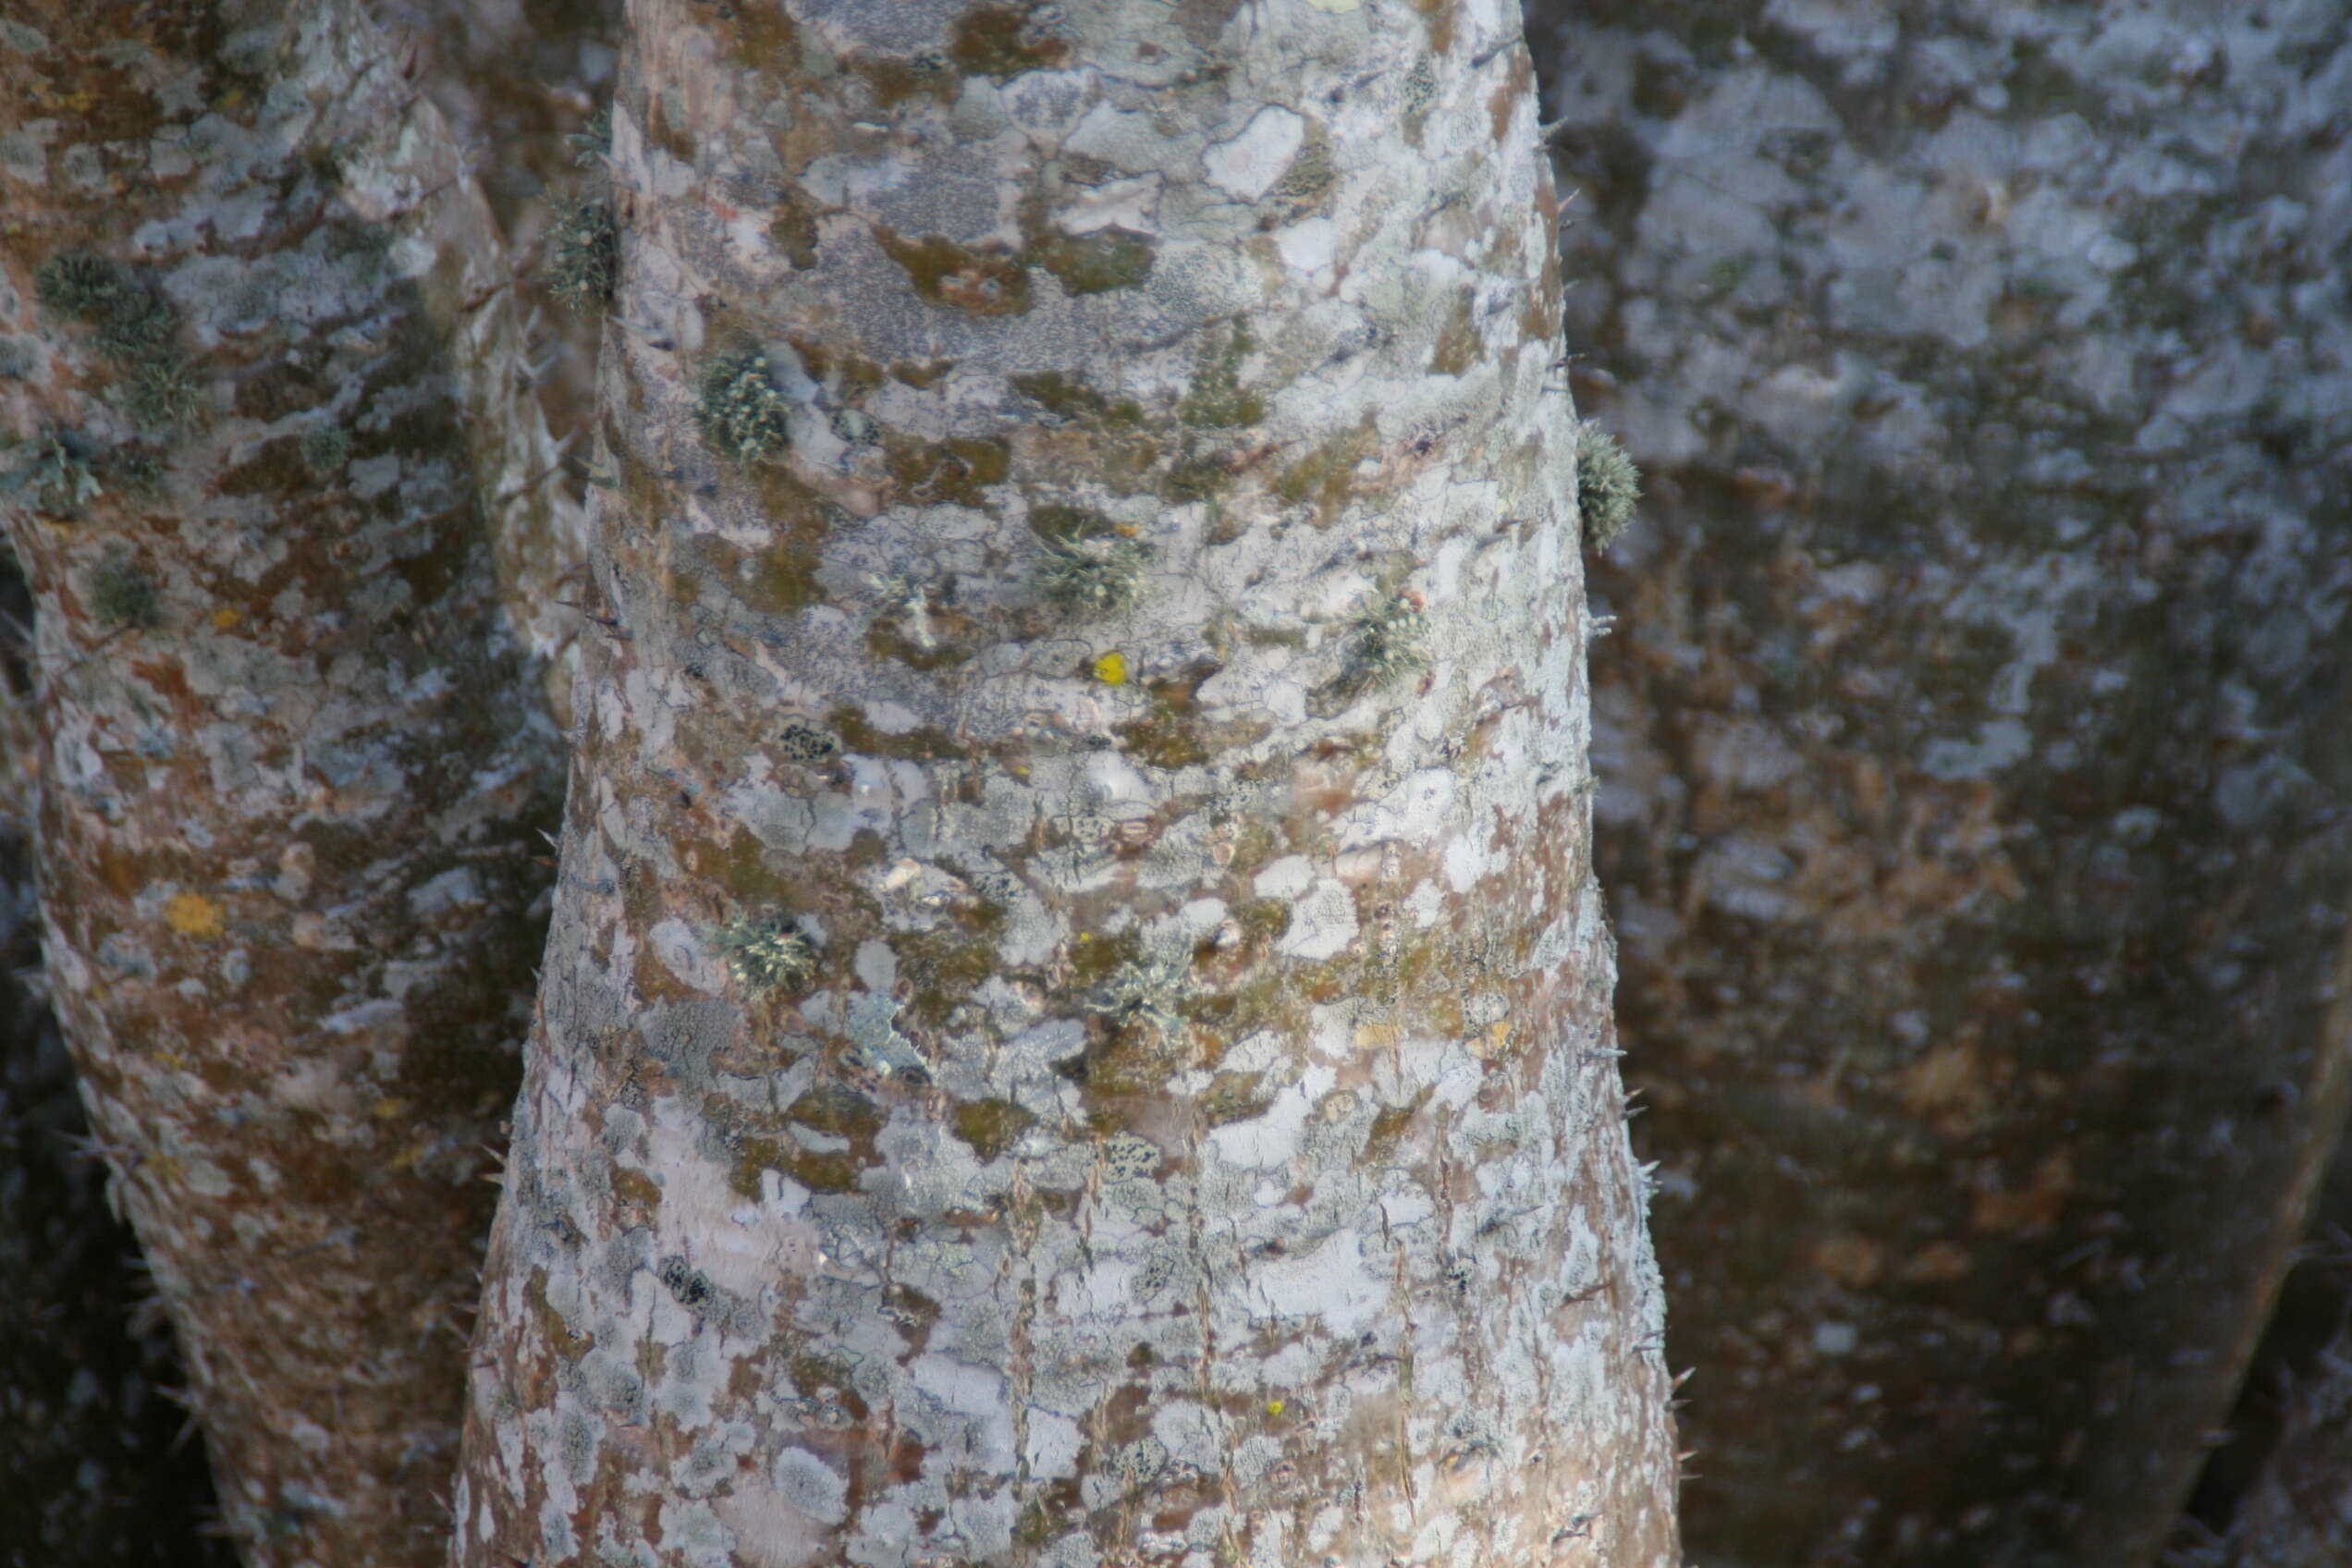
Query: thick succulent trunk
[
  {"x": 1077, "y": 1027},
  {"x": 1973, "y": 732},
  {"x": 295, "y": 763}
]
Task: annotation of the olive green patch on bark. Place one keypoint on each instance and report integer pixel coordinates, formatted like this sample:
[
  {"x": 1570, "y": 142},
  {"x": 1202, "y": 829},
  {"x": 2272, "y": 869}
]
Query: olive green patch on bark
[
  {"x": 893, "y": 82},
  {"x": 1097, "y": 262},
  {"x": 777, "y": 579},
  {"x": 1197, "y": 478},
  {"x": 980, "y": 283},
  {"x": 945, "y": 970},
  {"x": 1459, "y": 344},
  {"x": 1326, "y": 476},
  {"x": 996, "y": 41},
  {"x": 1216, "y": 398},
  {"x": 792, "y": 228},
  {"x": 753, "y": 1156},
  {"x": 567, "y": 1342},
  {"x": 636, "y": 1187},
  {"x": 991, "y": 1126},
  {"x": 885, "y": 640},
  {"x": 836, "y": 1108},
  {"x": 1234, "y": 1096},
  {"x": 764, "y": 38},
  {"x": 1389, "y": 1128},
  {"x": 924, "y": 744},
  {"x": 953, "y": 471},
  {"x": 923, "y": 376},
  {"x": 665, "y": 134}
]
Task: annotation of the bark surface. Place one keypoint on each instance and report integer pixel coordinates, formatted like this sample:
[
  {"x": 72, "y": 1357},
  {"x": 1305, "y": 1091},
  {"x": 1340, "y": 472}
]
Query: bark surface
[
  {"x": 295, "y": 768},
  {"x": 1077, "y": 1026},
  {"x": 1971, "y": 741}
]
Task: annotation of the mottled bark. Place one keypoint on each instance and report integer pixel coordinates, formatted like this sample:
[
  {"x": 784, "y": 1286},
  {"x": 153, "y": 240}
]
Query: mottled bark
[
  {"x": 1971, "y": 739},
  {"x": 295, "y": 769},
  {"x": 1077, "y": 1025},
  {"x": 95, "y": 1477}
]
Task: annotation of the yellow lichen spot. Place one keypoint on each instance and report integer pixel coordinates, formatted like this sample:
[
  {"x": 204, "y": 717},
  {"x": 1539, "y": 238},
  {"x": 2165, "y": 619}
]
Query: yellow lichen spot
[
  {"x": 228, "y": 617},
  {"x": 193, "y": 915},
  {"x": 389, "y": 1110},
  {"x": 1112, "y": 669},
  {"x": 409, "y": 1156},
  {"x": 1274, "y": 1407}
]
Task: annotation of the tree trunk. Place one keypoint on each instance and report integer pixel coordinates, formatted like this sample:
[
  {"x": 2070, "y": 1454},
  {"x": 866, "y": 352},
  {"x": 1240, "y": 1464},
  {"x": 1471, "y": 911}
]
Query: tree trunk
[
  {"x": 295, "y": 770},
  {"x": 1973, "y": 733},
  {"x": 1077, "y": 1025}
]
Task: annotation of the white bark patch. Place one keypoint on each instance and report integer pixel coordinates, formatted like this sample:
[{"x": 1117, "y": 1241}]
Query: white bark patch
[
  {"x": 1248, "y": 165},
  {"x": 1323, "y": 923},
  {"x": 1331, "y": 1283}
]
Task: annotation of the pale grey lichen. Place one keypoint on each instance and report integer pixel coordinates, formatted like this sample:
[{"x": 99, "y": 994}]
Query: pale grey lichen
[
  {"x": 583, "y": 254},
  {"x": 1608, "y": 485},
  {"x": 766, "y": 955},
  {"x": 743, "y": 414},
  {"x": 1093, "y": 576}
]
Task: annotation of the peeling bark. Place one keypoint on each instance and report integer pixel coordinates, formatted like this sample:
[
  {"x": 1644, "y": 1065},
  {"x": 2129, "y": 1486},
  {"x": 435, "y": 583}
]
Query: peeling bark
[
  {"x": 1077, "y": 1023},
  {"x": 295, "y": 769},
  {"x": 1971, "y": 739}
]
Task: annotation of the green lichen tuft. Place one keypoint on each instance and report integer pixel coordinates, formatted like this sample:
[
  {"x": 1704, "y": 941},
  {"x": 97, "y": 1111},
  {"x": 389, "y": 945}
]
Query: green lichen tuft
[
  {"x": 325, "y": 448},
  {"x": 743, "y": 416},
  {"x": 160, "y": 393},
  {"x": 128, "y": 318},
  {"x": 1608, "y": 485},
  {"x": 121, "y": 596},
  {"x": 132, "y": 325},
  {"x": 766, "y": 955},
  {"x": 55, "y": 474},
  {"x": 1093, "y": 576},
  {"x": 583, "y": 254},
  {"x": 1391, "y": 642},
  {"x": 1144, "y": 994}
]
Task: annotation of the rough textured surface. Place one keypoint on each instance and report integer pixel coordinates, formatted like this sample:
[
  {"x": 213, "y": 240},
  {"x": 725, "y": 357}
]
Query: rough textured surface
[
  {"x": 1077, "y": 1026},
  {"x": 91, "y": 1472},
  {"x": 1971, "y": 737},
  {"x": 262, "y": 356}
]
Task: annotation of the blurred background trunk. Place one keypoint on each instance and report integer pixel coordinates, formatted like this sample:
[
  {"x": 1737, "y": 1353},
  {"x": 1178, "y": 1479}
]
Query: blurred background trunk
[{"x": 1972, "y": 738}]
